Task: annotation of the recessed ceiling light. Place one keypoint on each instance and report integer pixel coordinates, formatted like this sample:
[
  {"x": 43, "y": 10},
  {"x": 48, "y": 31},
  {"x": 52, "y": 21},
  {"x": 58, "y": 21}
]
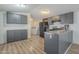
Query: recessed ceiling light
[
  {"x": 21, "y": 5},
  {"x": 45, "y": 12}
]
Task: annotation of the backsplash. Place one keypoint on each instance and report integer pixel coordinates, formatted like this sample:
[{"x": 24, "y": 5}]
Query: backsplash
[{"x": 56, "y": 25}]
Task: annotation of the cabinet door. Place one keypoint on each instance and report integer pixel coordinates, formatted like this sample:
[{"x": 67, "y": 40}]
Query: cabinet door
[
  {"x": 16, "y": 35},
  {"x": 63, "y": 18},
  {"x": 23, "y": 34},
  {"x": 23, "y": 19},
  {"x": 67, "y": 18},
  {"x": 13, "y": 35},
  {"x": 51, "y": 44},
  {"x": 70, "y": 37},
  {"x": 50, "y": 20},
  {"x": 10, "y": 36},
  {"x": 65, "y": 40},
  {"x": 13, "y": 18},
  {"x": 62, "y": 39}
]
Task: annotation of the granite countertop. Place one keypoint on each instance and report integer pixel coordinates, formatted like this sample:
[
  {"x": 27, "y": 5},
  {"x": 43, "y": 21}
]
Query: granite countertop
[{"x": 57, "y": 31}]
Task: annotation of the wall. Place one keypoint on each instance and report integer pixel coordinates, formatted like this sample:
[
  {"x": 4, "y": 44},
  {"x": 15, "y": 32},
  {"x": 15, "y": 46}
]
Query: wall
[
  {"x": 35, "y": 26},
  {"x": 75, "y": 28},
  {"x": 2, "y": 39},
  {"x": 4, "y": 27}
]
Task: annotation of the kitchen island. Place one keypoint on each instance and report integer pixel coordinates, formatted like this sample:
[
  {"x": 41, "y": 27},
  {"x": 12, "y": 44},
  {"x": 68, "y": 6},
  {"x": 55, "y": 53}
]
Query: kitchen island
[{"x": 57, "y": 42}]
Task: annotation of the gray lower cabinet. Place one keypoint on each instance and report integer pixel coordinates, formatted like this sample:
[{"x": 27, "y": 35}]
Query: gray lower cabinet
[
  {"x": 16, "y": 35},
  {"x": 57, "y": 43},
  {"x": 65, "y": 39},
  {"x": 63, "y": 42},
  {"x": 51, "y": 44}
]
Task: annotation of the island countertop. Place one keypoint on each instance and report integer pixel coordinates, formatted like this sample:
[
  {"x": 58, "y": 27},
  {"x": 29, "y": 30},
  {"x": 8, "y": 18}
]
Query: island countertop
[{"x": 57, "y": 31}]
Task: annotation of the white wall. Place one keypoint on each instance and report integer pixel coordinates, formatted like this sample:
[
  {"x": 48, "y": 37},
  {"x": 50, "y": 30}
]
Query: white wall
[
  {"x": 35, "y": 26},
  {"x": 2, "y": 39},
  {"x": 75, "y": 28},
  {"x": 4, "y": 27},
  {"x": 29, "y": 27}
]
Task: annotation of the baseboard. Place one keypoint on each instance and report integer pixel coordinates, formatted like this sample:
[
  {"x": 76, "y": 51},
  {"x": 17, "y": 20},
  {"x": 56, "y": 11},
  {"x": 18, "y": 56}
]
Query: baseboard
[
  {"x": 3, "y": 44},
  {"x": 75, "y": 43}
]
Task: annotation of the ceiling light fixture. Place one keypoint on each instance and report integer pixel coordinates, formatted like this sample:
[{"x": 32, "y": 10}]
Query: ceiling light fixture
[
  {"x": 45, "y": 12},
  {"x": 21, "y": 5}
]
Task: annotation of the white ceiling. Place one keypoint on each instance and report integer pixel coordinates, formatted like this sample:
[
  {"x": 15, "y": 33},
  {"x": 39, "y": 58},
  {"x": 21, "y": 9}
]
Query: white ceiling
[
  {"x": 55, "y": 9},
  {"x": 34, "y": 9},
  {"x": 14, "y": 7}
]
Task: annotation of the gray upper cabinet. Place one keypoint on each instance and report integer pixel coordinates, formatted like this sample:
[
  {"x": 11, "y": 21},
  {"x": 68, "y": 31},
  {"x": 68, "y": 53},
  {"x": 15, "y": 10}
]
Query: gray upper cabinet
[
  {"x": 53, "y": 19},
  {"x": 13, "y": 18},
  {"x": 49, "y": 21},
  {"x": 67, "y": 18},
  {"x": 23, "y": 19}
]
